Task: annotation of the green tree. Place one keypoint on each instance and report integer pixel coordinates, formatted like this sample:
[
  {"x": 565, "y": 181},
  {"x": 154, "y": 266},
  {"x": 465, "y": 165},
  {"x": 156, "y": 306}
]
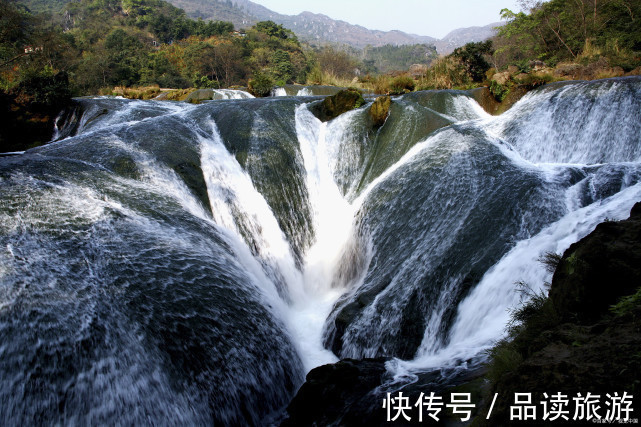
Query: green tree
[{"x": 473, "y": 58}]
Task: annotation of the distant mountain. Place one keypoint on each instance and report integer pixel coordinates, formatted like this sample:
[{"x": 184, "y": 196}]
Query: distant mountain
[
  {"x": 461, "y": 36},
  {"x": 217, "y": 10},
  {"x": 311, "y": 27},
  {"x": 318, "y": 28}
]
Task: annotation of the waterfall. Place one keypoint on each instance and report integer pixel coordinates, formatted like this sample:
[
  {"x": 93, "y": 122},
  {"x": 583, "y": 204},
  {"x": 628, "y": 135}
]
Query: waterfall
[
  {"x": 279, "y": 91},
  {"x": 231, "y": 94},
  {"x": 174, "y": 263}
]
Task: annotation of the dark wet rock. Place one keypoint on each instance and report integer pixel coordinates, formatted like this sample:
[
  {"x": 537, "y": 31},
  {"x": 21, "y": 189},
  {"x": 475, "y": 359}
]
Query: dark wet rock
[
  {"x": 599, "y": 269},
  {"x": 335, "y": 105},
  {"x": 380, "y": 110},
  {"x": 339, "y": 393},
  {"x": 484, "y": 97},
  {"x": 351, "y": 393},
  {"x": 585, "y": 345}
]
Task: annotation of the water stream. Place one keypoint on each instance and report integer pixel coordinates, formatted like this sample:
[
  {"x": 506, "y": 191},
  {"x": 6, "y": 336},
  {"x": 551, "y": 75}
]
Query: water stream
[{"x": 165, "y": 262}]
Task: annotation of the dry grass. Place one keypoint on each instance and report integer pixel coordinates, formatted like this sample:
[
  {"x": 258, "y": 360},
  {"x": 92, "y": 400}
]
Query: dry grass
[
  {"x": 146, "y": 92},
  {"x": 444, "y": 73},
  {"x": 178, "y": 94}
]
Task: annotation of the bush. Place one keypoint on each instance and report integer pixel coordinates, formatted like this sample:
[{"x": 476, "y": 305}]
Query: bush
[
  {"x": 401, "y": 85},
  {"x": 472, "y": 56},
  {"x": 535, "y": 80},
  {"x": 261, "y": 85},
  {"x": 44, "y": 89},
  {"x": 444, "y": 73},
  {"x": 499, "y": 91},
  {"x": 203, "y": 82}
]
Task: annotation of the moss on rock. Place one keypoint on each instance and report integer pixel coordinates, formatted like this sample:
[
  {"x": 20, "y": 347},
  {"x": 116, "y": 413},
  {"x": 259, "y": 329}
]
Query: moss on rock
[
  {"x": 335, "y": 105},
  {"x": 380, "y": 110}
]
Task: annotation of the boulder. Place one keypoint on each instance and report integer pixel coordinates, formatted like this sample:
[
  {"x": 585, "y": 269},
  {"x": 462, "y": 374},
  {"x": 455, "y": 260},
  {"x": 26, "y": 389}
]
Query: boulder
[
  {"x": 599, "y": 269},
  {"x": 333, "y": 106},
  {"x": 576, "y": 342},
  {"x": 501, "y": 78},
  {"x": 380, "y": 110},
  {"x": 521, "y": 76},
  {"x": 332, "y": 393},
  {"x": 537, "y": 65},
  {"x": 200, "y": 95}
]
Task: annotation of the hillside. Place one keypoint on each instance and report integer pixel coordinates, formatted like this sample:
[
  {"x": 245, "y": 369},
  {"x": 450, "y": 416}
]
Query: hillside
[
  {"x": 311, "y": 27},
  {"x": 319, "y": 28},
  {"x": 461, "y": 36}
]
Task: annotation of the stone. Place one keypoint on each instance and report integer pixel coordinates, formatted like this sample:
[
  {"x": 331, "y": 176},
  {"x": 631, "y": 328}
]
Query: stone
[
  {"x": 335, "y": 105},
  {"x": 599, "y": 269},
  {"x": 380, "y": 110},
  {"x": 501, "y": 78},
  {"x": 332, "y": 392}
]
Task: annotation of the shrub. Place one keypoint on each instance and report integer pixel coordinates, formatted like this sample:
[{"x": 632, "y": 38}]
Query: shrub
[
  {"x": 444, "y": 73},
  {"x": 203, "y": 82},
  {"x": 44, "y": 89},
  {"x": 261, "y": 85},
  {"x": 627, "y": 304},
  {"x": 472, "y": 56},
  {"x": 401, "y": 85},
  {"x": 499, "y": 91},
  {"x": 535, "y": 80}
]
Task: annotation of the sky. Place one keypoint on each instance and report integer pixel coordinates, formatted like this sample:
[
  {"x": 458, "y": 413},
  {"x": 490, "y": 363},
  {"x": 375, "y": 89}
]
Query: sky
[{"x": 433, "y": 18}]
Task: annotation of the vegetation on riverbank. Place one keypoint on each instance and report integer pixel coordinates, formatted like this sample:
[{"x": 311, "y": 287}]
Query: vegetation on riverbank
[
  {"x": 133, "y": 48},
  {"x": 586, "y": 335}
]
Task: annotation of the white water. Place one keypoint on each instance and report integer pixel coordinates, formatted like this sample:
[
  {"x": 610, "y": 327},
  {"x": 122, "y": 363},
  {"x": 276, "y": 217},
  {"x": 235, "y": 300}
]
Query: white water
[
  {"x": 236, "y": 203},
  {"x": 582, "y": 123},
  {"x": 54, "y": 196},
  {"x": 231, "y": 94},
  {"x": 279, "y": 91},
  {"x": 482, "y": 317}
]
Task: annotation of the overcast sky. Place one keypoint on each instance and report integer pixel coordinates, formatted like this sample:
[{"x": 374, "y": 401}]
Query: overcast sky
[{"x": 423, "y": 17}]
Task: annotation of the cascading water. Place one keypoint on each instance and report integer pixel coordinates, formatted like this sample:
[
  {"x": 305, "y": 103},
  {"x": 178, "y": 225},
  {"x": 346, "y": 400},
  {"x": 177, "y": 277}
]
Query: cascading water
[{"x": 177, "y": 263}]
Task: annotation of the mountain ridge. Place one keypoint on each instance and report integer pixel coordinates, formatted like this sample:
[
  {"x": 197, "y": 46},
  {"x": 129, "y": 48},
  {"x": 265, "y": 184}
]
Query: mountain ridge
[{"x": 320, "y": 28}]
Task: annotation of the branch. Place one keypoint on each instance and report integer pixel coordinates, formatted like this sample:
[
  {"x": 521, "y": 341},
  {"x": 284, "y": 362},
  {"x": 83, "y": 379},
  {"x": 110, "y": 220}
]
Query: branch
[
  {"x": 13, "y": 59},
  {"x": 559, "y": 37}
]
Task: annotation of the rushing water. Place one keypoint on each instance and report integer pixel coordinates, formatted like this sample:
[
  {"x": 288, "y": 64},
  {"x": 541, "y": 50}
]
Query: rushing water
[{"x": 173, "y": 263}]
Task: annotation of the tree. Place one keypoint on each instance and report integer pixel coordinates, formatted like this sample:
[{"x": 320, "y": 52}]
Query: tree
[
  {"x": 561, "y": 29},
  {"x": 274, "y": 30},
  {"x": 472, "y": 56},
  {"x": 337, "y": 63}
]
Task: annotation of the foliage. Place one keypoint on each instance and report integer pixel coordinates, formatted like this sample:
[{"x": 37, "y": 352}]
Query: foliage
[
  {"x": 44, "y": 89},
  {"x": 498, "y": 90},
  {"x": 389, "y": 57},
  {"x": 550, "y": 260},
  {"x": 445, "y": 73},
  {"x": 534, "y": 80},
  {"x": 627, "y": 304},
  {"x": 337, "y": 63},
  {"x": 107, "y": 43},
  {"x": 274, "y": 30},
  {"x": 473, "y": 57},
  {"x": 527, "y": 322},
  {"x": 560, "y": 30},
  {"x": 148, "y": 92},
  {"x": 260, "y": 85},
  {"x": 401, "y": 85}
]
